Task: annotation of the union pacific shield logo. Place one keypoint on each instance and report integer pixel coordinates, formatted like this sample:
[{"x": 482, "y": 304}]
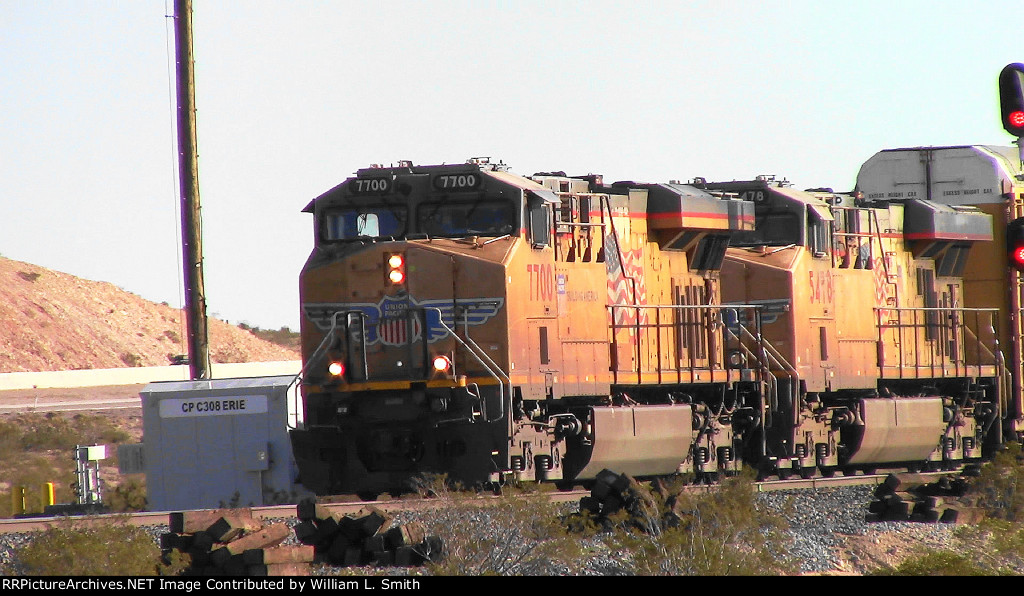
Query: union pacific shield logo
[
  {"x": 399, "y": 320},
  {"x": 398, "y": 325}
]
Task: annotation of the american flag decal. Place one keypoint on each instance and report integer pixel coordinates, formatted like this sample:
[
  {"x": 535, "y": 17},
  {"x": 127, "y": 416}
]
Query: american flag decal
[
  {"x": 626, "y": 284},
  {"x": 881, "y": 286}
]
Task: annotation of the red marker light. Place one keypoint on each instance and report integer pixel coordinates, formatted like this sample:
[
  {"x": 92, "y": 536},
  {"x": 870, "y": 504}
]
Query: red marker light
[
  {"x": 336, "y": 368},
  {"x": 1016, "y": 118},
  {"x": 442, "y": 364}
]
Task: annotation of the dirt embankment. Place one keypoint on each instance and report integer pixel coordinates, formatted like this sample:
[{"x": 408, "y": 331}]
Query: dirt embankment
[{"x": 54, "y": 321}]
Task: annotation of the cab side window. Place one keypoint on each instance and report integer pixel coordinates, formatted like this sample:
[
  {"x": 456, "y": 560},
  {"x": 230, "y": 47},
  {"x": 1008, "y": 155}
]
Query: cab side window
[
  {"x": 539, "y": 214},
  {"x": 818, "y": 235}
]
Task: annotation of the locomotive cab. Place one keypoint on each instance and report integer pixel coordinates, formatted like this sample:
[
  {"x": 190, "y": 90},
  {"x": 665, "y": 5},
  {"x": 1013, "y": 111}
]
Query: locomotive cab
[{"x": 405, "y": 325}]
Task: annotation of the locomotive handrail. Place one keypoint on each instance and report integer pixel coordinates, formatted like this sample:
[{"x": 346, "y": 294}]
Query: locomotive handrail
[
  {"x": 937, "y": 357},
  {"x": 658, "y": 324},
  {"x": 472, "y": 349},
  {"x": 316, "y": 353},
  {"x": 320, "y": 348},
  {"x": 770, "y": 383},
  {"x": 766, "y": 358},
  {"x": 774, "y": 357},
  {"x": 995, "y": 354}
]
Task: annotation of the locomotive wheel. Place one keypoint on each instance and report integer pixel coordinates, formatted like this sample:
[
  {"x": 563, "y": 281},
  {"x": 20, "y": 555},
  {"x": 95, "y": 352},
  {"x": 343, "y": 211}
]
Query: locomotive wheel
[
  {"x": 828, "y": 471},
  {"x": 784, "y": 473},
  {"x": 807, "y": 473}
]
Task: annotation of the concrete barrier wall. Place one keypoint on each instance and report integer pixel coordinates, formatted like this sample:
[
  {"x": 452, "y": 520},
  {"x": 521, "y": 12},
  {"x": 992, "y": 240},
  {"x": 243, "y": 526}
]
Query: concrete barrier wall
[{"x": 140, "y": 375}]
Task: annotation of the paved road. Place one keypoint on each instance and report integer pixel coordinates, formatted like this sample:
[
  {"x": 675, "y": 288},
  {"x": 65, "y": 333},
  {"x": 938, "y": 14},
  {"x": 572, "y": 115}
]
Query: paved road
[{"x": 115, "y": 397}]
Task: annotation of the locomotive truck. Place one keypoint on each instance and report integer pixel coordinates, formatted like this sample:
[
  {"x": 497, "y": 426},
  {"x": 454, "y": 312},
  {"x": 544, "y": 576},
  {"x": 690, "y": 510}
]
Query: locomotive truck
[{"x": 468, "y": 321}]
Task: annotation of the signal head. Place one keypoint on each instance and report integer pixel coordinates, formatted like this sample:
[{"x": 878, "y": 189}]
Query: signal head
[
  {"x": 1011, "y": 98},
  {"x": 1015, "y": 243}
]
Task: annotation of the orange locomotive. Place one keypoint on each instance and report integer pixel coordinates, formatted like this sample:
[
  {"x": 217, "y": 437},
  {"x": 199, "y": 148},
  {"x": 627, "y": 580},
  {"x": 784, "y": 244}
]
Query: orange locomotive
[
  {"x": 461, "y": 319},
  {"x": 456, "y": 320},
  {"x": 877, "y": 360}
]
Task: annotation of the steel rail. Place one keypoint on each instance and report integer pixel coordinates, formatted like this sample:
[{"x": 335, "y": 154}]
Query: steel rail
[{"x": 344, "y": 505}]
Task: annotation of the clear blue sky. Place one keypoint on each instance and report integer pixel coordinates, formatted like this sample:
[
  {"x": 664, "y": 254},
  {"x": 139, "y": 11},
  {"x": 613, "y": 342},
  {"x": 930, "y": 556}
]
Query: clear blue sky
[{"x": 294, "y": 96}]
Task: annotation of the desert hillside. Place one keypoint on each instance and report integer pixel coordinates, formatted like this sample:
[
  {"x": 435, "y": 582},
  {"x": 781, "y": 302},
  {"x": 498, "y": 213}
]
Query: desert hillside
[{"x": 55, "y": 321}]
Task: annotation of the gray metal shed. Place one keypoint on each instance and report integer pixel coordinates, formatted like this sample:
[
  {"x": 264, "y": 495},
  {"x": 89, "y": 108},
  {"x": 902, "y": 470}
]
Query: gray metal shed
[{"x": 218, "y": 443}]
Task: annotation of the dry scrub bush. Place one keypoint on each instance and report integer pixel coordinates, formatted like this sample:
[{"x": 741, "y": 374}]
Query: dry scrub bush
[
  {"x": 725, "y": 532},
  {"x": 90, "y": 547},
  {"x": 999, "y": 489},
  {"x": 40, "y": 432},
  {"x": 38, "y": 448},
  {"x": 509, "y": 535},
  {"x": 130, "y": 495},
  {"x": 995, "y": 546}
]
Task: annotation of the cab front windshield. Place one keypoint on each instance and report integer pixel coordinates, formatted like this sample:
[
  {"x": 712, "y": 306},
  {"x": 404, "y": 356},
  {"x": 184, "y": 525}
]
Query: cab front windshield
[
  {"x": 479, "y": 218},
  {"x": 364, "y": 222}
]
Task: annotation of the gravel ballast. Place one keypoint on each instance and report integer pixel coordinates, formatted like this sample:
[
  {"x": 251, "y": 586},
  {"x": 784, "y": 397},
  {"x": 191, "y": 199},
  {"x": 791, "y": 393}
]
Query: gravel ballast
[{"x": 820, "y": 522}]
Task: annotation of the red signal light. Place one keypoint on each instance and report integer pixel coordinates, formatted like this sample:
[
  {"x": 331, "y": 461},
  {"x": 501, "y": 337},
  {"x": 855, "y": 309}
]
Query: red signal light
[
  {"x": 1015, "y": 243},
  {"x": 1011, "y": 98}
]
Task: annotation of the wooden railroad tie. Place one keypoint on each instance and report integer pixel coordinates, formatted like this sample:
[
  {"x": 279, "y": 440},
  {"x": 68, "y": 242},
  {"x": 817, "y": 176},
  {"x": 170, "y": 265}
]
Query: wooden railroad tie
[
  {"x": 233, "y": 542},
  {"x": 920, "y": 498}
]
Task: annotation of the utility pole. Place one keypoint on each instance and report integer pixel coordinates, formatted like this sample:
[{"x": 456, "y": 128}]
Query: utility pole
[{"x": 188, "y": 177}]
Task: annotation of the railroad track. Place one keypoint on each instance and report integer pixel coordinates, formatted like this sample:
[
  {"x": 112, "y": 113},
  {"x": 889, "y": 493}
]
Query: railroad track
[{"x": 157, "y": 518}]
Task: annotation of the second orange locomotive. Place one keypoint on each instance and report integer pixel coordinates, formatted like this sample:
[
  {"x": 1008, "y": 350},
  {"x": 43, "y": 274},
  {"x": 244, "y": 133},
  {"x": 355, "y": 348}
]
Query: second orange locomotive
[{"x": 461, "y": 319}]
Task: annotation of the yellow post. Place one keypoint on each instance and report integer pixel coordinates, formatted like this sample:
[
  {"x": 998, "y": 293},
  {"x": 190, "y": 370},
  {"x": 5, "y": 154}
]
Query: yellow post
[
  {"x": 17, "y": 500},
  {"x": 48, "y": 494}
]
